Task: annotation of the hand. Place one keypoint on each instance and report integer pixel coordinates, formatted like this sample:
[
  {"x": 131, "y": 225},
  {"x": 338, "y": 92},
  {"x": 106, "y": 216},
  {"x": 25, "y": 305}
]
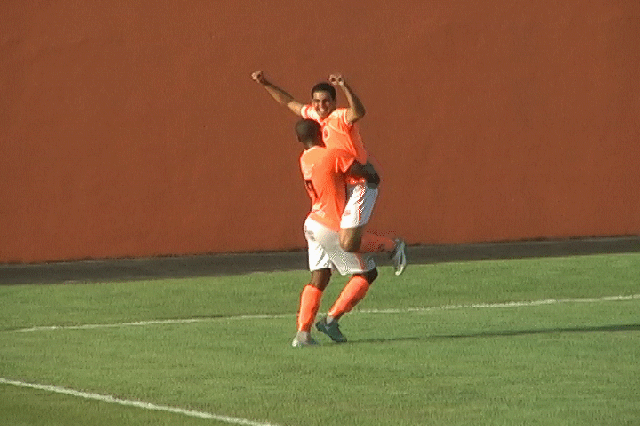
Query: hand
[
  {"x": 258, "y": 77},
  {"x": 336, "y": 79}
]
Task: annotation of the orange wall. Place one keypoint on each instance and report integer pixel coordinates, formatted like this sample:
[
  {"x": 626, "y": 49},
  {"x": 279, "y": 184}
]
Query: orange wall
[{"x": 132, "y": 128}]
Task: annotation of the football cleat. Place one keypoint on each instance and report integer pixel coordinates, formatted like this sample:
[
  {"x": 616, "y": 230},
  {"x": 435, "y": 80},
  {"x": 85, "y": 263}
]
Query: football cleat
[
  {"x": 399, "y": 256},
  {"x": 331, "y": 329},
  {"x": 302, "y": 339}
]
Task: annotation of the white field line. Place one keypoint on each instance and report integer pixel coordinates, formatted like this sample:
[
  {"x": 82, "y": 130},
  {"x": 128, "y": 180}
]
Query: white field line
[
  {"x": 520, "y": 304},
  {"x": 139, "y": 404},
  {"x": 152, "y": 322}
]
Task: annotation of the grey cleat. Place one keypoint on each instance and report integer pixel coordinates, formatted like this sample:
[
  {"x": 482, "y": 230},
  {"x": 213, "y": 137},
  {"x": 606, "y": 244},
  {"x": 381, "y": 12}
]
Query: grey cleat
[
  {"x": 399, "y": 256},
  {"x": 331, "y": 329},
  {"x": 302, "y": 339}
]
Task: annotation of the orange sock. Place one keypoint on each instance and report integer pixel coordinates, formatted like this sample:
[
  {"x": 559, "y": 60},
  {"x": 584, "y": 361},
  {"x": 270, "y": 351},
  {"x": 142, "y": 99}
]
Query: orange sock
[
  {"x": 372, "y": 243},
  {"x": 352, "y": 293},
  {"x": 309, "y": 304}
]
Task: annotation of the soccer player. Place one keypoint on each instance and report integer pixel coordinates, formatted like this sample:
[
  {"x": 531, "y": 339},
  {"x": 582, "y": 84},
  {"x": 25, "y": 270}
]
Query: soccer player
[
  {"x": 340, "y": 131},
  {"x": 325, "y": 173}
]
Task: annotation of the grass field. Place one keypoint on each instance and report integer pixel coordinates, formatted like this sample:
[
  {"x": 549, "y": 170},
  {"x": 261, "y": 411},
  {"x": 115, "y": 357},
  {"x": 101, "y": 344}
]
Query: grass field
[{"x": 553, "y": 341}]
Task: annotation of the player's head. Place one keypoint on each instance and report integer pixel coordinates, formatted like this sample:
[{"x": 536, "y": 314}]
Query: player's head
[
  {"x": 309, "y": 133},
  {"x": 323, "y": 99}
]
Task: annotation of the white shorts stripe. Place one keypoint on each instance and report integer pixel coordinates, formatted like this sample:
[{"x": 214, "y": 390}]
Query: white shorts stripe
[{"x": 361, "y": 199}]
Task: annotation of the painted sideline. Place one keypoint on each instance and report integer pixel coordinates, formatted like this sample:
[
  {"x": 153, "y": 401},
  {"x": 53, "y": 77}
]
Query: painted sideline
[
  {"x": 363, "y": 311},
  {"x": 139, "y": 404},
  {"x": 506, "y": 304}
]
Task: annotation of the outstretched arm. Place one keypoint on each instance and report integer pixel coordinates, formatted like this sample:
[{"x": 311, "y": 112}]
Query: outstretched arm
[
  {"x": 366, "y": 171},
  {"x": 356, "y": 110},
  {"x": 279, "y": 95}
]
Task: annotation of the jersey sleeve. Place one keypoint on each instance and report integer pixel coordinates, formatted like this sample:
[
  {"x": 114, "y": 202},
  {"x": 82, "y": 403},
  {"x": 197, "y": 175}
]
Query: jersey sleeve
[
  {"x": 341, "y": 114},
  {"x": 307, "y": 111}
]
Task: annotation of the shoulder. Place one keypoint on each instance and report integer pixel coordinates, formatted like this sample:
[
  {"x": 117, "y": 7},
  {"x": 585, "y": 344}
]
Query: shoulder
[
  {"x": 310, "y": 159},
  {"x": 339, "y": 112},
  {"x": 339, "y": 115},
  {"x": 313, "y": 155}
]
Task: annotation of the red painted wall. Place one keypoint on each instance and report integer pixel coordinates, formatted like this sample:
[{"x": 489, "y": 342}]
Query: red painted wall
[{"x": 132, "y": 129}]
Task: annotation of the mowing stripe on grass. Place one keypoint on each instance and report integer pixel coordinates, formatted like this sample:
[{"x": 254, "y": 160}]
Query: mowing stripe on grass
[
  {"x": 522, "y": 304},
  {"x": 139, "y": 404}
]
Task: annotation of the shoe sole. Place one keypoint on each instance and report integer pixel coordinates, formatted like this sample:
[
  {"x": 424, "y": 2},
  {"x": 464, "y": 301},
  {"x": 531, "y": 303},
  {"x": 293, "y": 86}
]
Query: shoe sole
[{"x": 298, "y": 344}]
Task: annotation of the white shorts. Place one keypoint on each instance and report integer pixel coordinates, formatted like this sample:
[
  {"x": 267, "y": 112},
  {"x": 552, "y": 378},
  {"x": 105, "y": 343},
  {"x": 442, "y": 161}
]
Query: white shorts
[
  {"x": 325, "y": 251},
  {"x": 360, "y": 202}
]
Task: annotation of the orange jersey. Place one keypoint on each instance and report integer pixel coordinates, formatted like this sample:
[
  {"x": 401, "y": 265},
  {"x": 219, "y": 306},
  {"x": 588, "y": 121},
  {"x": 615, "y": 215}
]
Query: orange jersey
[
  {"x": 323, "y": 171},
  {"x": 338, "y": 133}
]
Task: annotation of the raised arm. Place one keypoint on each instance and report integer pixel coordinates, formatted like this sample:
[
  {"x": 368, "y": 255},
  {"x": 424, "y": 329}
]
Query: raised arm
[
  {"x": 356, "y": 110},
  {"x": 279, "y": 95}
]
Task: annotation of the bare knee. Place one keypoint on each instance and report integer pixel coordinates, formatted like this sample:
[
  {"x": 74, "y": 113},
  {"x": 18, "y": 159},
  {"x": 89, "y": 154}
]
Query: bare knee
[
  {"x": 370, "y": 276},
  {"x": 351, "y": 239},
  {"x": 320, "y": 278},
  {"x": 350, "y": 246}
]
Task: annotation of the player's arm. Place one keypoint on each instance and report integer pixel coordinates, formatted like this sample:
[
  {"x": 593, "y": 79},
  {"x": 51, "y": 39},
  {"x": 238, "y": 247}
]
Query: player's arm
[
  {"x": 356, "y": 110},
  {"x": 279, "y": 95},
  {"x": 365, "y": 171}
]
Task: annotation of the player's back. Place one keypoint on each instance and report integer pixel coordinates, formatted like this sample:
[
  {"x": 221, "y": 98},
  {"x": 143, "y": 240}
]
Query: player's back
[{"x": 323, "y": 171}]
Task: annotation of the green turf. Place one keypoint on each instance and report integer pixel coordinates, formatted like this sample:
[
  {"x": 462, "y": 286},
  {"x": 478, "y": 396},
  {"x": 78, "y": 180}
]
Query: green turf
[{"x": 422, "y": 348}]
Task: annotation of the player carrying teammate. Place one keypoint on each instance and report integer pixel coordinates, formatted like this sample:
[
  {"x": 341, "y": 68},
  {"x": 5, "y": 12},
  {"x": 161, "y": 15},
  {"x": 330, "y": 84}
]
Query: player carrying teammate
[
  {"x": 325, "y": 173},
  {"x": 339, "y": 131}
]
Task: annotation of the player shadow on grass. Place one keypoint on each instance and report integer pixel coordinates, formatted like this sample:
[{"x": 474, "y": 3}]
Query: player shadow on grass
[{"x": 508, "y": 333}]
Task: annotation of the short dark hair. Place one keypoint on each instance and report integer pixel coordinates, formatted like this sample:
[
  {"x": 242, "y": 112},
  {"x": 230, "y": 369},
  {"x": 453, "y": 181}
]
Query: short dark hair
[
  {"x": 307, "y": 130},
  {"x": 324, "y": 87}
]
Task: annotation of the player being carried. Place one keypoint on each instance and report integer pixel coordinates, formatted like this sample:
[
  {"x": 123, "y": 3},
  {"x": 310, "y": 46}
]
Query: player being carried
[{"x": 340, "y": 131}]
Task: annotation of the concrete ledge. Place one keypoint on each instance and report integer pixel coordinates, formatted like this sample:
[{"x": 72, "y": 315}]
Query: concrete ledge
[{"x": 242, "y": 263}]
